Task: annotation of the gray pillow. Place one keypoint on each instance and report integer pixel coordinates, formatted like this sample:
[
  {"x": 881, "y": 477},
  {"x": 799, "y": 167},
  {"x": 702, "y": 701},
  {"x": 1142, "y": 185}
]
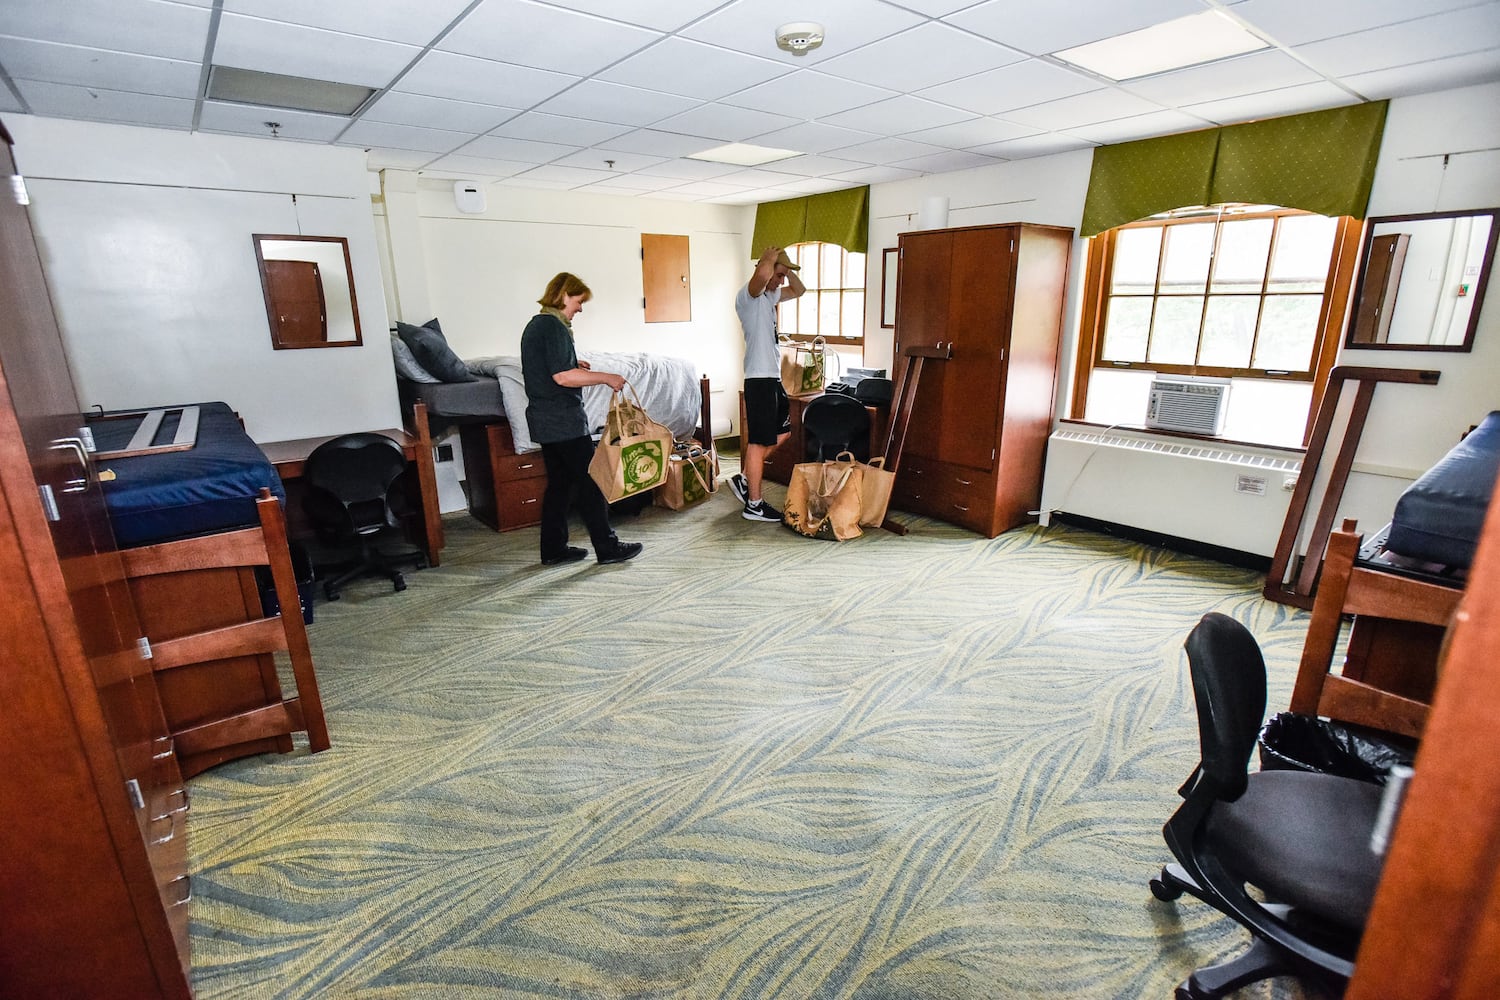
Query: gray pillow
[
  {"x": 433, "y": 353},
  {"x": 406, "y": 365}
]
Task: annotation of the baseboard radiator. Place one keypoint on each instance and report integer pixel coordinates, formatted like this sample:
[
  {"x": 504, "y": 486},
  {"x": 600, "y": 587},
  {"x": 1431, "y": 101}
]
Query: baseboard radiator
[{"x": 1233, "y": 497}]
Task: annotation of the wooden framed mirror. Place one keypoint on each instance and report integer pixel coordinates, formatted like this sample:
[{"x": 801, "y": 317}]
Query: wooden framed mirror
[
  {"x": 309, "y": 288},
  {"x": 1422, "y": 280}
]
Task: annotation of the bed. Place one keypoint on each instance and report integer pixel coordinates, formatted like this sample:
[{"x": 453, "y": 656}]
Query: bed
[{"x": 198, "y": 513}]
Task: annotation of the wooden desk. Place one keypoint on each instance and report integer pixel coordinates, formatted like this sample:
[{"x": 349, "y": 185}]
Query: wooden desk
[
  {"x": 420, "y": 484},
  {"x": 780, "y": 459}
]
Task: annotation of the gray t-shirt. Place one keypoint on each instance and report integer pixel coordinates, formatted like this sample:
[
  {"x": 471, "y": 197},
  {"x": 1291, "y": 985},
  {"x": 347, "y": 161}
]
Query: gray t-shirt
[{"x": 758, "y": 319}]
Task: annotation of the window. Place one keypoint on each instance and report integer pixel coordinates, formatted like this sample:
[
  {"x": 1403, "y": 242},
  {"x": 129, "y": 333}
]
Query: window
[
  {"x": 834, "y": 306},
  {"x": 1256, "y": 294}
]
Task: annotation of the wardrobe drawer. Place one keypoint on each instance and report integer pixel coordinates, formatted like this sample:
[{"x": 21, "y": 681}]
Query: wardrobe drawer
[{"x": 949, "y": 493}]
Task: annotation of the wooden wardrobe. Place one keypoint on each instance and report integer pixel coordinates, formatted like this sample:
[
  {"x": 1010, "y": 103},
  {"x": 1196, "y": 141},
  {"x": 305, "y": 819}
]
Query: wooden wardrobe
[
  {"x": 93, "y": 853},
  {"x": 993, "y": 297}
]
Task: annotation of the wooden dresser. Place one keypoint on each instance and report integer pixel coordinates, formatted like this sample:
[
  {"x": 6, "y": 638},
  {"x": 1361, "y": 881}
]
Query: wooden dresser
[
  {"x": 993, "y": 297},
  {"x": 93, "y": 857},
  {"x": 505, "y": 489}
]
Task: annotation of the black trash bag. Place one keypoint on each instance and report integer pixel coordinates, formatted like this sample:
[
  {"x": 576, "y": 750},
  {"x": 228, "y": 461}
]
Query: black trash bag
[{"x": 1292, "y": 742}]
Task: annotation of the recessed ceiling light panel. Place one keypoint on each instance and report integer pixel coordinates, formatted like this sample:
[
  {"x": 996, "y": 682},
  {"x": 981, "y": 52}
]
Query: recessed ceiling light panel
[
  {"x": 273, "y": 90},
  {"x": 1185, "y": 41},
  {"x": 744, "y": 155}
]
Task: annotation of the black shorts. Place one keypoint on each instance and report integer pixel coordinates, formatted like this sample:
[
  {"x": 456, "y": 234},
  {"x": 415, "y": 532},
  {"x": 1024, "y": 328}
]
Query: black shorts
[{"x": 768, "y": 415}]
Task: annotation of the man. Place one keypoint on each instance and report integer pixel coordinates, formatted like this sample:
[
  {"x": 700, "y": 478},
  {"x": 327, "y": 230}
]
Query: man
[{"x": 767, "y": 412}]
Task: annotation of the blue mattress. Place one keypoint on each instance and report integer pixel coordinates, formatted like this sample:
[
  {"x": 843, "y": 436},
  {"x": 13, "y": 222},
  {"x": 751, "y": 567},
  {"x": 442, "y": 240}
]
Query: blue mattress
[
  {"x": 208, "y": 488},
  {"x": 1439, "y": 517}
]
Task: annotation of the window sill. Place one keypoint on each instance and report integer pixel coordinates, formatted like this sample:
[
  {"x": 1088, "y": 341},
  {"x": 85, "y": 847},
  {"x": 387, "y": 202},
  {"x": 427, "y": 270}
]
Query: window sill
[{"x": 1186, "y": 436}]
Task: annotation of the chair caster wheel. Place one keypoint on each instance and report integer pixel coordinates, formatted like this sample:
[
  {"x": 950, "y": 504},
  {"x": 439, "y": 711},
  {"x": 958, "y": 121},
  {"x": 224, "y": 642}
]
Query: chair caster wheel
[
  {"x": 400, "y": 583},
  {"x": 332, "y": 595},
  {"x": 1183, "y": 993},
  {"x": 1164, "y": 892}
]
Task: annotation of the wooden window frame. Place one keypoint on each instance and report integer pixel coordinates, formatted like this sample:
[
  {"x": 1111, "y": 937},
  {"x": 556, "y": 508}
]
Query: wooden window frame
[
  {"x": 811, "y": 293},
  {"x": 1343, "y": 260}
]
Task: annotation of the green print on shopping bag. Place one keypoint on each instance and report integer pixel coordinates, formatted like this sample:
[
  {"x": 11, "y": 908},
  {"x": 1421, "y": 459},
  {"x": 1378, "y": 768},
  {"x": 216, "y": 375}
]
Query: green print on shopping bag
[{"x": 641, "y": 465}]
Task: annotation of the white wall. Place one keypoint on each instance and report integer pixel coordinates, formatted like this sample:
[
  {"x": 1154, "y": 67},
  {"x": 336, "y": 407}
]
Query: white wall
[
  {"x": 145, "y": 239},
  {"x": 481, "y": 274}
]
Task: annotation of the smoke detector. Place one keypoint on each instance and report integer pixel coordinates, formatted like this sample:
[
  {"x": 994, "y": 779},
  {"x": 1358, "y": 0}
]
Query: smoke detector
[{"x": 799, "y": 37}]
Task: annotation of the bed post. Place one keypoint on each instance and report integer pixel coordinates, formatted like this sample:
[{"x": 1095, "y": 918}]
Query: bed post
[
  {"x": 432, "y": 517},
  {"x": 705, "y": 415}
]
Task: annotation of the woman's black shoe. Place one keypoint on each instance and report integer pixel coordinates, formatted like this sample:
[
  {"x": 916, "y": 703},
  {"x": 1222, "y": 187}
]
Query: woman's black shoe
[
  {"x": 569, "y": 554},
  {"x": 623, "y": 551}
]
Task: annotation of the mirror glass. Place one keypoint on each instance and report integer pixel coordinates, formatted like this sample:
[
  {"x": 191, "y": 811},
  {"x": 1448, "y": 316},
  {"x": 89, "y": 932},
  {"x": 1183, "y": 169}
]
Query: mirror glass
[
  {"x": 309, "y": 289},
  {"x": 1422, "y": 280}
]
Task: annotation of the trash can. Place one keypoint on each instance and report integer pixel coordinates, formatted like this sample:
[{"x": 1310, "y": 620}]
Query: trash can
[
  {"x": 1293, "y": 742},
  {"x": 302, "y": 570}
]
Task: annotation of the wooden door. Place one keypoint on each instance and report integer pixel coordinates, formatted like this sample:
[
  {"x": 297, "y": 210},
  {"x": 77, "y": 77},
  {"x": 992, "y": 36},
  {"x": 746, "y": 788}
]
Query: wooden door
[
  {"x": 666, "y": 279},
  {"x": 1377, "y": 297},
  {"x": 94, "y": 852},
  {"x": 295, "y": 288},
  {"x": 922, "y": 303},
  {"x": 979, "y": 311}
]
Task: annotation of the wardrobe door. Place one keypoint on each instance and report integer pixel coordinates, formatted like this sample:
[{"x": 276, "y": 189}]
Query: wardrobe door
[
  {"x": 70, "y": 902},
  {"x": 922, "y": 320},
  {"x": 978, "y": 328}
]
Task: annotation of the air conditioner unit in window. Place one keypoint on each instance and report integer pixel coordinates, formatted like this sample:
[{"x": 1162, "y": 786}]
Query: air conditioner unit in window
[{"x": 1195, "y": 405}]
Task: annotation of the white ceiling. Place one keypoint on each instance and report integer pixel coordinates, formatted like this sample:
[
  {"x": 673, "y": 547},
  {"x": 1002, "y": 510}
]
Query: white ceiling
[{"x": 545, "y": 94}]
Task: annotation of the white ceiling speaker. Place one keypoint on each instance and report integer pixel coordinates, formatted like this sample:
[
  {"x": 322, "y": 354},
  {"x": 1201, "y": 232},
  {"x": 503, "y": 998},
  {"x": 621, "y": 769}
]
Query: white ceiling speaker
[{"x": 799, "y": 37}]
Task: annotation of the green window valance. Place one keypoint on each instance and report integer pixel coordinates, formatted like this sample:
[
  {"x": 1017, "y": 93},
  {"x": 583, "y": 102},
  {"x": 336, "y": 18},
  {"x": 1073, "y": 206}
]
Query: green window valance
[
  {"x": 1323, "y": 162},
  {"x": 841, "y": 217}
]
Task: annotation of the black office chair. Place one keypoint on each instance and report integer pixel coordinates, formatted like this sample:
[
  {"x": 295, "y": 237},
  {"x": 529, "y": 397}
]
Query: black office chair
[
  {"x": 832, "y": 423},
  {"x": 874, "y": 391},
  {"x": 350, "y": 501},
  {"x": 1301, "y": 838}
]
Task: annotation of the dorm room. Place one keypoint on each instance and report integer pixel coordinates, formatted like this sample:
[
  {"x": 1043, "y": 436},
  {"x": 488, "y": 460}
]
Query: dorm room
[{"x": 142, "y": 255}]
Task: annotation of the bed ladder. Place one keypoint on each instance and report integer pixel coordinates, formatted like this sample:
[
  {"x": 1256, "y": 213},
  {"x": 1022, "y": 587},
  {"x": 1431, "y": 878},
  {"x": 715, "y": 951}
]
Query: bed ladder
[{"x": 905, "y": 398}]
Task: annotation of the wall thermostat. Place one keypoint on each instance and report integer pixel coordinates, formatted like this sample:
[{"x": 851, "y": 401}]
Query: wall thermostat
[{"x": 468, "y": 197}]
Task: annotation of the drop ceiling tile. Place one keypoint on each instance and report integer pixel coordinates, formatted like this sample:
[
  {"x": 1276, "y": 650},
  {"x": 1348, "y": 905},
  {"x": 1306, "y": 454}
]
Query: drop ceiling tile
[
  {"x": 813, "y": 137},
  {"x": 608, "y": 160},
  {"x": 572, "y": 176},
  {"x": 1296, "y": 22},
  {"x": 947, "y": 161},
  {"x": 534, "y": 183},
  {"x": 974, "y": 132},
  {"x": 396, "y": 159},
  {"x": 707, "y": 189},
  {"x": 663, "y": 15},
  {"x": 609, "y": 102},
  {"x": 808, "y": 95},
  {"x": 432, "y": 140},
  {"x": 692, "y": 69},
  {"x": 435, "y": 112},
  {"x": 1438, "y": 74},
  {"x": 1248, "y": 74},
  {"x": 1035, "y": 145},
  {"x": 1083, "y": 109},
  {"x": 689, "y": 170},
  {"x": 899, "y": 114},
  {"x": 937, "y": 8},
  {"x": 249, "y": 119},
  {"x": 637, "y": 182},
  {"x": 63, "y": 100},
  {"x": 1139, "y": 127},
  {"x": 922, "y": 57},
  {"x": 548, "y": 37},
  {"x": 559, "y": 128},
  {"x": 497, "y": 147},
  {"x": 462, "y": 166},
  {"x": 881, "y": 151},
  {"x": 813, "y": 166},
  {"x": 719, "y": 121},
  {"x": 1436, "y": 37},
  {"x": 274, "y": 47},
  {"x": 1270, "y": 104},
  {"x": 876, "y": 175},
  {"x": 481, "y": 81},
  {"x": 1017, "y": 85},
  {"x": 9, "y": 102},
  {"x": 146, "y": 27},
  {"x": 1039, "y": 28},
  {"x": 416, "y": 23},
  {"x": 750, "y": 26},
  {"x": 762, "y": 177},
  {"x": 86, "y": 67},
  {"x": 654, "y": 143}
]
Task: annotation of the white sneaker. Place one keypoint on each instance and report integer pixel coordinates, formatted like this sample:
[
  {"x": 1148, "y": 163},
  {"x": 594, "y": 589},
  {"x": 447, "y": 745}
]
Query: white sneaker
[{"x": 739, "y": 487}]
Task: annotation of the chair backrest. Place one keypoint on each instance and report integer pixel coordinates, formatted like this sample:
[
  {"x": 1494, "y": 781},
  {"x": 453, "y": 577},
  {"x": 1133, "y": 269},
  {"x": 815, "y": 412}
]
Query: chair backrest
[
  {"x": 1229, "y": 686},
  {"x": 874, "y": 391},
  {"x": 832, "y": 423},
  {"x": 348, "y": 481}
]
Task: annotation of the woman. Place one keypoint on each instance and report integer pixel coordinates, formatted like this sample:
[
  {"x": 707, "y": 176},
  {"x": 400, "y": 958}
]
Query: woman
[{"x": 554, "y": 389}]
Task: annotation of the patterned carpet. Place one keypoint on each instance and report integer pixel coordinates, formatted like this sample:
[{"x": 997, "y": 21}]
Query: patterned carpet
[{"x": 745, "y": 765}]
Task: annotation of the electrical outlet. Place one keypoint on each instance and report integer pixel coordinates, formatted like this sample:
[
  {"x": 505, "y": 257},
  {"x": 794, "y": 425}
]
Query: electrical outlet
[{"x": 1289, "y": 484}]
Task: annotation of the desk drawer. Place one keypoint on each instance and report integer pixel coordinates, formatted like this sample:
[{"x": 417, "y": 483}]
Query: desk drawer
[
  {"x": 519, "y": 502},
  {"x": 509, "y": 467}
]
